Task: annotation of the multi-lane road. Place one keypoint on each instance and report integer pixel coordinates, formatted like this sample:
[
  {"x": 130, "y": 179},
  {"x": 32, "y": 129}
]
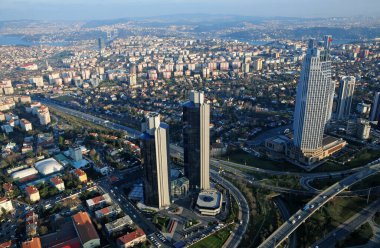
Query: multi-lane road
[
  {"x": 286, "y": 229},
  {"x": 348, "y": 226}
]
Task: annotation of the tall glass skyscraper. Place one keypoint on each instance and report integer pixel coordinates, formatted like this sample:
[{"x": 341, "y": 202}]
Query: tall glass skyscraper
[
  {"x": 196, "y": 141},
  {"x": 346, "y": 92},
  {"x": 155, "y": 155},
  {"x": 312, "y": 104}
]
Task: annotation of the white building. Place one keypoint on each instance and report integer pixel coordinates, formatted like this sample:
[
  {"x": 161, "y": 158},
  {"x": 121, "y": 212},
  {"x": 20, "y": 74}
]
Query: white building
[
  {"x": 25, "y": 125},
  {"x": 6, "y": 204},
  {"x": 312, "y": 105}
]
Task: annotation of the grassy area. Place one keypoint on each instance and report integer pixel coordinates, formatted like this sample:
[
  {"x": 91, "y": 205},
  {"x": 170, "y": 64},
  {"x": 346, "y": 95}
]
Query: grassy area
[
  {"x": 65, "y": 99},
  {"x": 328, "y": 218},
  {"x": 162, "y": 222},
  {"x": 241, "y": 157},
  {"x": 324, "y": 183},
  {"x": 214, "y": 241},
  {"x": 284, "y": 181},
  {"x": 362, "y": 158},
  {"x": 360, "y": 236}
]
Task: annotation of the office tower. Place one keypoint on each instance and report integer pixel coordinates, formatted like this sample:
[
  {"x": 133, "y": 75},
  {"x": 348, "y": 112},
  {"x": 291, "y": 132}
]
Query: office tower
[
  {"x": 155, "y": 155},
  {"x": 196, "y": 141},
  {"x": 312, "y": 104},
  {"x": 375, "y": 109},
  {"x": 76, "y": 153},
  {"x": 346, "y": 92},
  {"x": 326, "y": 55}
]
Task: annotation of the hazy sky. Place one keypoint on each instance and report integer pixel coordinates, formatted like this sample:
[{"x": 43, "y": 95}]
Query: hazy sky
[{"x": 109, "y": 9}]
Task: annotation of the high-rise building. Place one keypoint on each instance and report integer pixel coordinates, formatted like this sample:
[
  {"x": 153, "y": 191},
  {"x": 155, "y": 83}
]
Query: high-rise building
[
  {"x": 196, "y": 141},
  {"x": 132, "y": 76},
  {"x": 155, "y": 161},
  {"x": 312, "y": 104},
  {"x": 258, "y": 64},
  {"x": 346, "y": 92},
  {"x": 327, "y": 40},
  {"x": 100, "y": 46},
  {"x": 375, "y": 109}
]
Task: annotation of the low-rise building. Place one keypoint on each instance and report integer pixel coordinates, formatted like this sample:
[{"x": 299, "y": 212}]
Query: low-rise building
[
  {"x": 6, "y": 204},
  {"x": 58, "y": 183},
  {"x": 99, "y": 201},
  {"x": 107, "y": 211},
  {"x": 85, "y": 230},
  {"x": 33, "y": 243},
  {"x": 131, "y": 239},
  {"x": 81, "y": 175},
  {"x": 32, "y": 193},
  {"x": 25, "y": 125},
  {"x": 209, "y": 202},
  {"x": 119, "y": 224}
]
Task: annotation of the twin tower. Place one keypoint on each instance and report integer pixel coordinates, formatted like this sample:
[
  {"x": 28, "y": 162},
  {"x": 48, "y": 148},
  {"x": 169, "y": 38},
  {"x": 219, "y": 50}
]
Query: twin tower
[{"x": 155, "y": 151}]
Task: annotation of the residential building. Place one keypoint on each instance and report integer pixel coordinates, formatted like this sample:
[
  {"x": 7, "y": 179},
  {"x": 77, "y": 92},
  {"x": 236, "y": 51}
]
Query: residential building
[
  {"x": 33, "y": 243},
  {"x": 81, "y": 175},
  {"x": 58, "y": 183},
  {"x": 6, "y": 205},
  {"x": 85, "y": 230},
  {"x": 32, "y": 193},
  {"x": 131, "y": 239},
  {"x": 118, "y": 224},
  {"x": 346, "y": 92}
]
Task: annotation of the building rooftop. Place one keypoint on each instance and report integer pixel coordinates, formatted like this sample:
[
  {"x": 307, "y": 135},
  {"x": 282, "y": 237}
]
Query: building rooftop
[
  {"x": 33, "y": 243},
  {"x": 131, "y": 236},
  {"x": 83, "y": 225},
  {"x": 31, "y": 190}
]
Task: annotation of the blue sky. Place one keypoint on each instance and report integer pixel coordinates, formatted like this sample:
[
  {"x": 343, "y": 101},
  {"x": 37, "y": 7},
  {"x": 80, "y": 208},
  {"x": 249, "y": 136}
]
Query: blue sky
[{"x": 111, "y": 9}]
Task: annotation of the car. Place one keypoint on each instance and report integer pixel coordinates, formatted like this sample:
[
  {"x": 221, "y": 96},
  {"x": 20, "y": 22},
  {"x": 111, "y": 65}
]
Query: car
[{"x": 299, "y": 217}]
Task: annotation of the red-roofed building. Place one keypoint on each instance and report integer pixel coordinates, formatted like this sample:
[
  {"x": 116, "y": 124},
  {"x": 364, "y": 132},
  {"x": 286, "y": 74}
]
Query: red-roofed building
[
  {"x": 86, "y": 231},
  {"x": 57, "y": 182},
  {"x": 81, "y": 175},
  {"x": 131, "y": 239},
  {"x": 7, "y": 244},
  {"x": 32, "y": 193},
  {"x": 33, "y": 243}
]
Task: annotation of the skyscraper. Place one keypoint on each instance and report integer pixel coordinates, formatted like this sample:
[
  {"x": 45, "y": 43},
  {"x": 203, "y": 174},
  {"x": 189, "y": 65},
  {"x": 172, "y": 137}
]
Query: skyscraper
[
  {"x": 375, "y": 109},
  {"x": 346, "y": 92},
  {"x": 327, "y": 40},
  {"x": 312, "y": 104},
  {"x": 155, "y": 155},
  {"x": 196, "y": 141}
]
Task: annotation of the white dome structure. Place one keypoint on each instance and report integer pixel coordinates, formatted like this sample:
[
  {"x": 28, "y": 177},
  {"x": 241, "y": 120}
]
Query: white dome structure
[
  {"x": 48, "y": 166},
  {"x": 24, "y": 173}
]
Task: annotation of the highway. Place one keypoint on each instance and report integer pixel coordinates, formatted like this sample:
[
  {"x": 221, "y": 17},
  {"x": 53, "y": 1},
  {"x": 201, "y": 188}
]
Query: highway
[
  {"x": 243, "y": 205},
  {"x": 343, "y": 230},
  {"x": 237, "y": 235},
  {"x": 285, "y": 230}
]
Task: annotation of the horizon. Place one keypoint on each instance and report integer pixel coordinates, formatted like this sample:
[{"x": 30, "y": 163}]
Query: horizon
[{"x": 71, "y": 10}]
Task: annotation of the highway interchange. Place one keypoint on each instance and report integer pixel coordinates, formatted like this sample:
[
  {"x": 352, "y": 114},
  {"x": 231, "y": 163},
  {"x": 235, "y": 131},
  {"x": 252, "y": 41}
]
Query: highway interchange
[{"x": 283, "y": 232}]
